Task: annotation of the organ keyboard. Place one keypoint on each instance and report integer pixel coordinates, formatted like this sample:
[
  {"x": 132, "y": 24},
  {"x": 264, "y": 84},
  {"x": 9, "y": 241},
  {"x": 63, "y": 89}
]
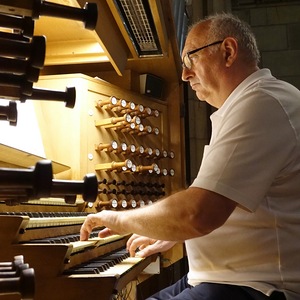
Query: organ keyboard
[{"x": 65, "y": 267}]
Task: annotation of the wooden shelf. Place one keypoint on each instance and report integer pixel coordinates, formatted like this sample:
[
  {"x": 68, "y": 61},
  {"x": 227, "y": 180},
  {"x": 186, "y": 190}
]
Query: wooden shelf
[{"x": 15, "y": 158}]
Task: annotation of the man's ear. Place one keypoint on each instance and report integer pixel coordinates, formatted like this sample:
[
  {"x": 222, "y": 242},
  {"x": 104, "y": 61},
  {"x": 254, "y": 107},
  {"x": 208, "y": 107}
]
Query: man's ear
[{"x": 230, "y": 47}]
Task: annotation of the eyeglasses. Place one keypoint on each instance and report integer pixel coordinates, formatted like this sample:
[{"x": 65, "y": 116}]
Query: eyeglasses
[{"x": 187, "y": 62}]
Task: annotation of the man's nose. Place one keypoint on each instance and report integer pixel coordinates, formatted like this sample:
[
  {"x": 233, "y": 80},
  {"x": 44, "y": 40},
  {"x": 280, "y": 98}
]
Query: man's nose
[{"x": 186, "y": 74}]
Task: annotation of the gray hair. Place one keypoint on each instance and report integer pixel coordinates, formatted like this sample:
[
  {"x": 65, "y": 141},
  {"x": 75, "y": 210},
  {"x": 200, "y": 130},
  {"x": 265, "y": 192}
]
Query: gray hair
[{"x": 227, "y": 25}]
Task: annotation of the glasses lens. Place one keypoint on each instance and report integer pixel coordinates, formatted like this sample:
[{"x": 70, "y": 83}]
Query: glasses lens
[{"x": 187, "y": 62}]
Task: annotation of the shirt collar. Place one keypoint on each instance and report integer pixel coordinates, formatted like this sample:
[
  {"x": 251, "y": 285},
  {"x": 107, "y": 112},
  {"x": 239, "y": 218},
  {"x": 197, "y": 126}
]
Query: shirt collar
[{"x": 244, "y": 85}]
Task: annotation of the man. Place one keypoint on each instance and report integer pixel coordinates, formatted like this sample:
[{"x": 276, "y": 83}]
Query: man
[{"x": 240, "y": 219}]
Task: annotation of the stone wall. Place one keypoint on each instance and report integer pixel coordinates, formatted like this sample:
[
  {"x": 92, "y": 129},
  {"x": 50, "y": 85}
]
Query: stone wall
[{"x": 277, "y": 29}]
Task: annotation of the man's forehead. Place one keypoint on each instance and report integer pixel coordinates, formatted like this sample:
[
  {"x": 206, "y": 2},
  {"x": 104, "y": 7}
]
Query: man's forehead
[
  {"x": 195, "y": 38},
  {"x": 199, "y": 30}
]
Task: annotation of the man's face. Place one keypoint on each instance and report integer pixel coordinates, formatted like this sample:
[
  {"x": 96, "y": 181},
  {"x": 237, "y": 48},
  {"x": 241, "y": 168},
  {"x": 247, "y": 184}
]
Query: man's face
[{"x": 203, "y": 75}]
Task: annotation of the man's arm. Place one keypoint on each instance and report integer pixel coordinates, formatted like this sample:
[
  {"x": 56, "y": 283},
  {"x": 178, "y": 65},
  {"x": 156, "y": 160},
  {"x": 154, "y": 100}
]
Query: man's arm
[{"x": 184, "y": 215}]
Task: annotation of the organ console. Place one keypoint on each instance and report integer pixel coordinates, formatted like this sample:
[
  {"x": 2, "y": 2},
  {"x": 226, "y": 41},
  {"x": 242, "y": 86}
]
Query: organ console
[
  {"x": 104, "y": 139},
  {"x": 125, "y": 180}
]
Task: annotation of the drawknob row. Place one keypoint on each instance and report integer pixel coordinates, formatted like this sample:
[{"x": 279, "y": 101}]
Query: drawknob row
[
  {"x": 129, "y": 166},
  {"x": 131, "y": 183},
  {"x": 127, "y": 123},
  {"x": 143, "y": 192},
  {"x": 123, "y": 204},
  {"x": 124, "y": 106},
  {"x": 123, "y": 148}
]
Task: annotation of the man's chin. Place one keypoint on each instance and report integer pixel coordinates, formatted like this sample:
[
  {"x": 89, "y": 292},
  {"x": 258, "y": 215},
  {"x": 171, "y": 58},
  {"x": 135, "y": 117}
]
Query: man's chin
[{"x": 200, "y": 96}]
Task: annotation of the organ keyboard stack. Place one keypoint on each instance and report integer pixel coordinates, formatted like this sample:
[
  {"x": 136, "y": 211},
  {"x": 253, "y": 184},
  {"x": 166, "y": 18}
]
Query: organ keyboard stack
[{"x": 66, "y": 268}]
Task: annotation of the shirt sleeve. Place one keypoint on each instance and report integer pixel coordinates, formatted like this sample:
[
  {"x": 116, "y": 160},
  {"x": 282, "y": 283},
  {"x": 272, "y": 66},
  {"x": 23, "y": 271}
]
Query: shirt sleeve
[{"x": 250, "y": 150}]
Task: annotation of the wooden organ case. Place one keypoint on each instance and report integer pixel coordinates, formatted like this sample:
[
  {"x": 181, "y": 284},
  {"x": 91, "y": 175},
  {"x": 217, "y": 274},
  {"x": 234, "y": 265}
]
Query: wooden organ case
[{"x": 132, "y": 142}]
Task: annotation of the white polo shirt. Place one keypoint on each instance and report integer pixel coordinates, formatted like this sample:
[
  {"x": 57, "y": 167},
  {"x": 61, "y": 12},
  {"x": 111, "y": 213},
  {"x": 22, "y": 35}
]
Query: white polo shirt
[{"x": 254, "y": 159}]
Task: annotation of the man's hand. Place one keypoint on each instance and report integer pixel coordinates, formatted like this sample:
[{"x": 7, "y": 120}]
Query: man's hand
[
  {"x": 143, "y": 246},
  {"x": 89, "y": 223},
  {"x": 92, "y": 221}
]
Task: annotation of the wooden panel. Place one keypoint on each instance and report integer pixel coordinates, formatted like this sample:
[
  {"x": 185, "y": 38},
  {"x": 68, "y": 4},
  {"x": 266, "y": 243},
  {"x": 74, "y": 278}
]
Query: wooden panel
[
  {"x": 110, "y": 38},
  {"x": 71, "y": 135}
]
